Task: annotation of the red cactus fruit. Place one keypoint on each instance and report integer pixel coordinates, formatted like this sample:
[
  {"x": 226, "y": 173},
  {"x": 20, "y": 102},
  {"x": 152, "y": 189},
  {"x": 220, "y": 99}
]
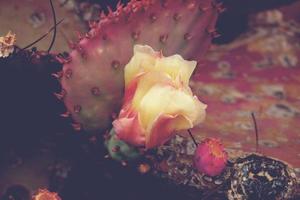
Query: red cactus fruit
[
  {"x": 93, "y": 79},
  {"x": 210, "y": 157}
]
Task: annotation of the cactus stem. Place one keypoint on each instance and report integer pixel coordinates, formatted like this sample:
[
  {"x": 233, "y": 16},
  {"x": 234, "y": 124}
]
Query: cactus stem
[
  {"x": 190, "y": 133},
  {"x": 55, "y": 28},
  {"x": 256, "y": 132}
]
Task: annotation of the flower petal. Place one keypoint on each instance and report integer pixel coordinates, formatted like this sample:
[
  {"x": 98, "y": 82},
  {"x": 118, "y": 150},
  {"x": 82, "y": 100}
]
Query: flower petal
[
  {"x": 145, "y": 83},
  {"x": 176, "y": 67},
  {"x": 143, "y": 60},
  {"x": 158, "y": 101},
  {"x": 169, "y": 100},
  {"x": 129, "y": 130},
  {"x": 163, "y": 129}
]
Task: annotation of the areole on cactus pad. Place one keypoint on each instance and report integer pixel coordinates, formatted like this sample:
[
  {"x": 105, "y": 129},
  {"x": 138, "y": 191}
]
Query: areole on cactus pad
[{"x": 92, "y": 79}]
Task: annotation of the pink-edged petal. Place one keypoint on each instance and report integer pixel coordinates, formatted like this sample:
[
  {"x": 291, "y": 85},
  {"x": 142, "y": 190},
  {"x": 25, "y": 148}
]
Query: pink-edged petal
[
  {"x": 129, "y": 129},
  {"x": 164, "y": 128},
  {"x": 161, "y": 132},
  {"x": 131, "y": 89}
]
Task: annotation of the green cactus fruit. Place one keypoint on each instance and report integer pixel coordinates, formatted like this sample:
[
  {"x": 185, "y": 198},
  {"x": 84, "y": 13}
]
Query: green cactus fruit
[{"x": 119, "y": 150}]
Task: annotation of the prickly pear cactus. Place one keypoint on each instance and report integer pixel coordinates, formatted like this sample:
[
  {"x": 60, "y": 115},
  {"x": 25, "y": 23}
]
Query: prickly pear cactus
[{"x": 92, "y": 79}]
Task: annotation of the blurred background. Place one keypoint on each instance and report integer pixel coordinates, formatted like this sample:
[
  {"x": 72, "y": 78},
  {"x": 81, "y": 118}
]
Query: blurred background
[{"x": 254, "y": 66}]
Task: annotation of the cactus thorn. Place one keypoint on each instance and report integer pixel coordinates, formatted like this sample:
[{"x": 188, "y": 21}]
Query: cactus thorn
[
  {"x": 164, "y": 3},
  {"x": 76, "y": 126},
  {"x": 115, "y": 64},
  {"x": 68, "y": 73},
  {"x": 92, "y": 24},
  {"x": 58, "y": 75},
  {"x": 176, "y": 17},
  {"x": 203, "y": 9},
  {"x": 110, "y": 12},
  {"x": 71, "y": 44},
  {"x": 213, "y": 33},
  {"x": 106, "y": 136},
  {"x": 60, "y": 95},
  {"x": 219, "y": 7},
  {"x": 124, "y": 163},
  {"x": 66, "y": 114},
  {"x": 114, "y": 115},
  {"x": 135, "y": 35},
  {"x": 79, "y": 35},
  {"x": 119, "y": 5},
  {"x": 187, "y": 36},
  {"x": 163, "y": 38},
  {"x": 88, "y": 35},
  {"x": 104, "y": 36},
  {"x": 191, "y": 6},
  {"x": 81, "y": 51},
  {"x": 116, "y": 149},
  {"x": 153, "y": 17},
  {"x": 63, "y": 59},
  {"x": 77, "y": 108}
]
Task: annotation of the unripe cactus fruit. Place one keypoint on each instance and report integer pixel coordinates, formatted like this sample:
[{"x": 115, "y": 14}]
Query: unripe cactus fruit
[{"x": 119, "y": 150}]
